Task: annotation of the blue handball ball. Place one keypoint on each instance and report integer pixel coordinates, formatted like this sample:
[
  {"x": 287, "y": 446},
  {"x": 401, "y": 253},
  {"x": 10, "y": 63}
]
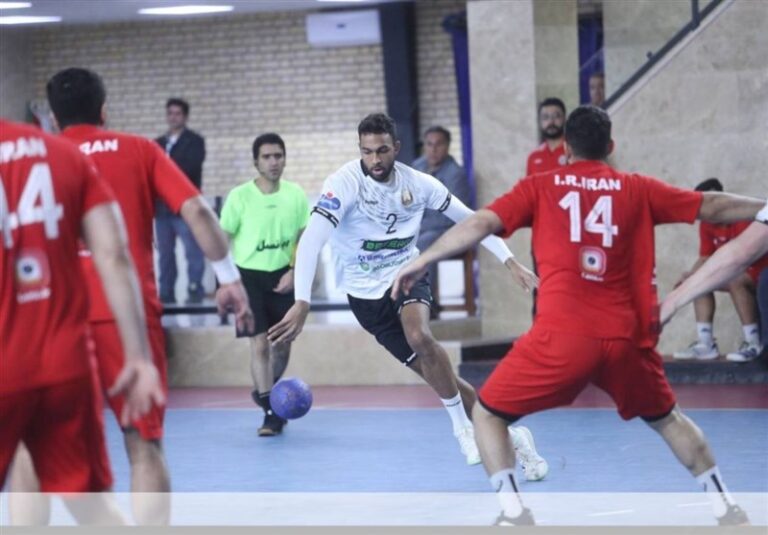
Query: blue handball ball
[{"x": 291, "y": 398}]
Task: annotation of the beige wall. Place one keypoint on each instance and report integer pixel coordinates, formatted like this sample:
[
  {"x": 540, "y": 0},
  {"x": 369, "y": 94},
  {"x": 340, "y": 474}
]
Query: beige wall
[
  {"x": 242, "y": 75},
  {"x": 556, "y": 44},
  {"x": 14, "y": 73},
  {"x": 438, "y": 103},
  {"x": 703, "y": 115},
  {"x": 634, "y": 28},
  {"x": 503, "y": 86}
]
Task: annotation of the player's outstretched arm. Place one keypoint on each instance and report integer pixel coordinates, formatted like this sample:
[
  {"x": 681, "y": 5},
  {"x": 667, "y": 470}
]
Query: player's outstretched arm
[
  {"x": 311, "y": 243},
  {"x": 231, "y": 296},
  {"x": 720, "y": 207},
  {"x": 727, "y": 262},
  {"x": 468, "y": 232},
  {"x": 105, "y": 236}
]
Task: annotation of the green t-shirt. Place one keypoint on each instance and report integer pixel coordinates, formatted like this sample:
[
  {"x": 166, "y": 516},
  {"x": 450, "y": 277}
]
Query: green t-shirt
[{"x": 264, "y": 227}]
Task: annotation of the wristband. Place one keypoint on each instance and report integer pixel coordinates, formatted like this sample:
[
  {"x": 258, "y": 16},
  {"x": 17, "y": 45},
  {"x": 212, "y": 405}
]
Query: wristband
[{"x": 226, "y": 270}]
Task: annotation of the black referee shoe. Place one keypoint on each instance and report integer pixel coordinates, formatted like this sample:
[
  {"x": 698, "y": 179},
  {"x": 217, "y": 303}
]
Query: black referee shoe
[
  {"x": 525, "y": 519},
  {"x": 273, "y": 425},
  {"x": 734, "y": 516}
]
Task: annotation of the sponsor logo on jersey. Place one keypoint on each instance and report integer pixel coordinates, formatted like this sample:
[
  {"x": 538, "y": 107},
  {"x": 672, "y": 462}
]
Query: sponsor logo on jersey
[
  {"x": 593, "y": 263},
  {"x": 329, "y": 202},
  {"x": 263, "y": 246},
  {"x": 407, "y": 197},
  {"x": 33, "y": 276},
  {"x": 395, "y": 244}
]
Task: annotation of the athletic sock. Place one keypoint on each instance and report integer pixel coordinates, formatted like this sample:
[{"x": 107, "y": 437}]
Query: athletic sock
[
  {"x": 716, "y": 490},
  {"x": 751, "y": 334},
  {"x": 704, "y": 331},
  {"x": 264, "y": 402},
  {"x": 505, "y": 485},
  {"x": 456, "y": 411}
]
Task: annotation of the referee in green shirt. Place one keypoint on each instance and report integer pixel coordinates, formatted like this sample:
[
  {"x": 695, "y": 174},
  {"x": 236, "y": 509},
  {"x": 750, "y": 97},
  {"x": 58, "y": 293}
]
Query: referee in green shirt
[{"x": 264, "y": 219}]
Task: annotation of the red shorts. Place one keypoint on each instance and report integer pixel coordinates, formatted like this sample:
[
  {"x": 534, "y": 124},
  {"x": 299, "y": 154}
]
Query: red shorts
[
  {"x": 62, "y": 426},
  {"x": 110, "y": 359},
  {"x": 546, "y": 369}
]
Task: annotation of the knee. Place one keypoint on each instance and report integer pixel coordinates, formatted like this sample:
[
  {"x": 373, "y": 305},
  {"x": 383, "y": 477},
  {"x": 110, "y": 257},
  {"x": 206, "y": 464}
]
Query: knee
[
  {"x": 421, "y": 341},
  {"x": 141, "y": 451}
]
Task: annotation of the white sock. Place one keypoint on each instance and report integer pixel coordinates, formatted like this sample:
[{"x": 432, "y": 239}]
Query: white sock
[
  {"x": 456, "y": 411},
  {"x": 716, "y": 490},
  {"x": 751, "y": 334},
  {"x": 704, "y": 330},
  {"x": 505, "y": 485}
]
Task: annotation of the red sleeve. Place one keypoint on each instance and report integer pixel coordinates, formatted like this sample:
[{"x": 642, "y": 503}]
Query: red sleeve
[
  {"x": 96, "y": 190},
  {"x": 515, "y": 208},
  {"x": 528, "y": 166},
  {"x": 670, "y": 204},
  {"x": 706, "y": 240},
  {"x": 168, "y": 181}
]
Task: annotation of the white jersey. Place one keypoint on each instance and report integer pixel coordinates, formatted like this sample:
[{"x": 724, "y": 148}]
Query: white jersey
[
  {"x": 762, "y": 215},
  {"x": 377, "y": 224}
]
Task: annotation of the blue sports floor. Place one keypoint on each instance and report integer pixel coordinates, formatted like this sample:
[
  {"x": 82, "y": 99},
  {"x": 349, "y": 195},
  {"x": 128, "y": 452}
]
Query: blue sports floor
[{"x": 412, "y": 450}]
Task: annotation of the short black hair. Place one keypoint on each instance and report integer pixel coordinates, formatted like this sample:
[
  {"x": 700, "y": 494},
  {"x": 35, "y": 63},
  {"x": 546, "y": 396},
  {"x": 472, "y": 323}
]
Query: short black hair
[
  {"x": 437, "y": 129},
  {"x": 378, "y": 123},
  {"x": 180, "y": 102},
  {"x": 76, "y": 96},
  {"x": 588, "y": 132},
  {"x": 710, "y": 184},
  {"x": 552, "y": 101},
  {"x": 270, "y": 138}
]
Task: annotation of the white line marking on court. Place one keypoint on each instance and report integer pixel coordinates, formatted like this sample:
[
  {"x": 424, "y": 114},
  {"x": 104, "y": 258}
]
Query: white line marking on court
[
  {"x": 611, "y": 513},
  {"x": 694, "y": 504}
]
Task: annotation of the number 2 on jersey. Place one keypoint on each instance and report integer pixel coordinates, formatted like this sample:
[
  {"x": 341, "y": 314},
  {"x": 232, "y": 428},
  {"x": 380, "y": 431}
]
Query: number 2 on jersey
[
  {"x": 37, "y": 204},
  {"x": 391, "y": 229},
  {"x": 602, "y": 210}
]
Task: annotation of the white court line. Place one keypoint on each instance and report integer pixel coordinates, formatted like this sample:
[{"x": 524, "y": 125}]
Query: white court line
[
  {"x": 694, "y": 504},
  {"x": 611, "y": 513}
]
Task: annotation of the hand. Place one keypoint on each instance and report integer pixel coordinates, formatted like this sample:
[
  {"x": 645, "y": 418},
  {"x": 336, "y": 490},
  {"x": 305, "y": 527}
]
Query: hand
[
  {"x": 668, "y": 309},
  {"x": 523, "y": 276},
  {"x": 291, "y": 325},
  {"x": 139, "y": 382},
  {"x": 407, "y": 277},
  {"x": 232, "y": 298},
  {"x": 285, "y": 284}
]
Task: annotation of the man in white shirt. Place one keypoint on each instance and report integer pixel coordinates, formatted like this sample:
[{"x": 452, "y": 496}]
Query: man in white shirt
[{"x": 371, "y": 210}]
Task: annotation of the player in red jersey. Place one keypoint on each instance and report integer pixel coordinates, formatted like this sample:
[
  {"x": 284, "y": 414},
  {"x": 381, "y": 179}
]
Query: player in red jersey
[
  {"x": 727, "y": 262},
  {"x": 741, "y": 289},
  {"x": 593, "y": 234},
  {"x": 140, "y": 173},
  {"x": 50, "y": 197}
]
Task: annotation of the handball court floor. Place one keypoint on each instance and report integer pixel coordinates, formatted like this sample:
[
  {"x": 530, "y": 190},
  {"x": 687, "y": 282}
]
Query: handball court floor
[{"x": 385, "y": 456}]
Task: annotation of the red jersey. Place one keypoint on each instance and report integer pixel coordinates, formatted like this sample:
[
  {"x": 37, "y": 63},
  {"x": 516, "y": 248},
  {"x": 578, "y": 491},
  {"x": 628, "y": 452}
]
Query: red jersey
[
  {"x": 543, "y": 159},
  {"x": 593, "y": 232},
  {"x": 139, "y": 172},
  {"x": 47, "y": 188},
  {"x": 712, "y": 237}
]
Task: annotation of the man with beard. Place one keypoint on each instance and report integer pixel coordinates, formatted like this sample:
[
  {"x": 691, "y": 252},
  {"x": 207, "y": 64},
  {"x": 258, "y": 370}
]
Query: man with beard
[
  {"x": 371, "y": 209},
  {"x": 550, "y": 154},
  {"x": 265, "y": 218}
]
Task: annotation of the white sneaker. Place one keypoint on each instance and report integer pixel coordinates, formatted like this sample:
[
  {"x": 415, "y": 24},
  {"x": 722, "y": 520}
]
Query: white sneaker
[
  {"x": 534, "y": 466},
  {"x": 466, "y": 438},
  {"x": 745, "y": 353},
  {"x": 698, "y": 351}
]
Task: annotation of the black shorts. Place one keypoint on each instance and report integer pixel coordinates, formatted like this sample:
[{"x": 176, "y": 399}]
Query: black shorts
[
  {"x": 268, "y": 307},
  {"x": 381, "y": 318}
]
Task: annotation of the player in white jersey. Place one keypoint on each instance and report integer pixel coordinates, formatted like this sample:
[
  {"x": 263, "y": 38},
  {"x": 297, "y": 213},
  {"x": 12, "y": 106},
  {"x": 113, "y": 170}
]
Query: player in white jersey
[{"x": 371, "y": 210}]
